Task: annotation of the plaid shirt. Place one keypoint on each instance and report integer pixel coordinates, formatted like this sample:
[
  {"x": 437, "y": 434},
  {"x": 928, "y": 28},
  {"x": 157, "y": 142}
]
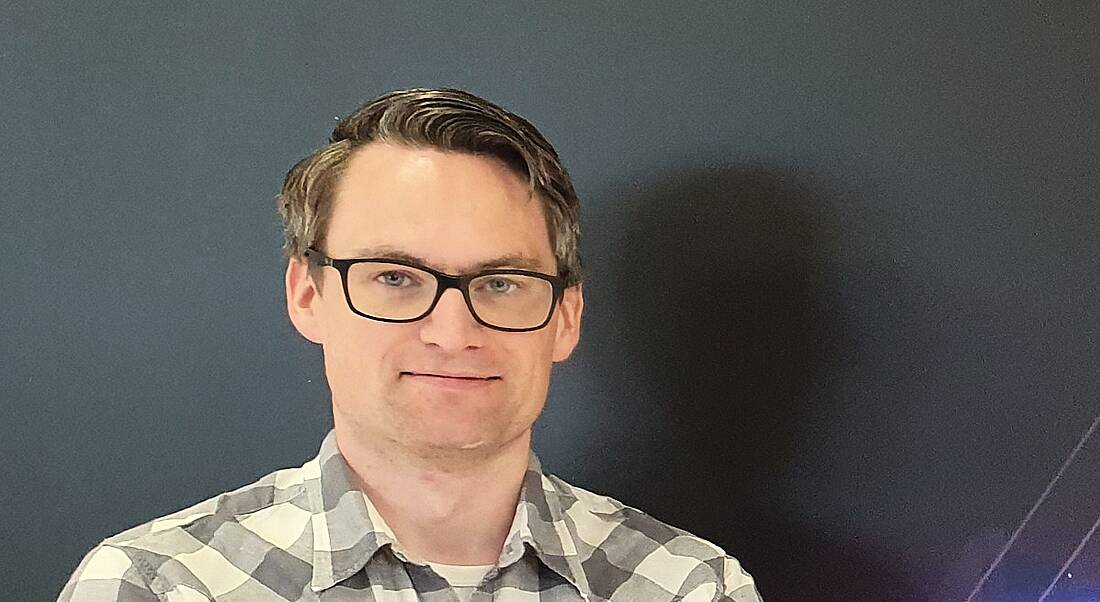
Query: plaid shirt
[{"x": 307, "y": 534}]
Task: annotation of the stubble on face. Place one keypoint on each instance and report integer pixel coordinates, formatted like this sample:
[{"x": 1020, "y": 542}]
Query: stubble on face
[{"x": 437, "y": 425}]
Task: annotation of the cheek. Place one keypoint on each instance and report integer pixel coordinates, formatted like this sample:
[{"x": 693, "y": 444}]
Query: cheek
[
  {"x": 356, "y": 349},
  {"x": 532, "y": 360}
]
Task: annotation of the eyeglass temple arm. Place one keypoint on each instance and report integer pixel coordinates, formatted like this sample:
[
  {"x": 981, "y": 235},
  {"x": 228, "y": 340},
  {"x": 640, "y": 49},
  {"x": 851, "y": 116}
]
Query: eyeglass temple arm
[{"x": 316, "y": 257}]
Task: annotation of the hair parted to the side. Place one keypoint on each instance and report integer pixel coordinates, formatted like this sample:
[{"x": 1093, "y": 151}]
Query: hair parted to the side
[{"x": 446, "y": 119}]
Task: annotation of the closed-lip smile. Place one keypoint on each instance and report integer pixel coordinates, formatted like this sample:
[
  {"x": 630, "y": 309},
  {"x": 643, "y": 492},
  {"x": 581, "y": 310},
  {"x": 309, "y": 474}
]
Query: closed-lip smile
[
  {"x": 451, "y": 381},
  {"x": 452, "y": 375}
]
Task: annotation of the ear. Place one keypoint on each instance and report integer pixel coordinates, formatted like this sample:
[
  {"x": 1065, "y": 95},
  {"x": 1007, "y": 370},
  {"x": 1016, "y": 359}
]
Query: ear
[
  {"x": 303, "y": 301},
  {"x": 569, "y": 323}
]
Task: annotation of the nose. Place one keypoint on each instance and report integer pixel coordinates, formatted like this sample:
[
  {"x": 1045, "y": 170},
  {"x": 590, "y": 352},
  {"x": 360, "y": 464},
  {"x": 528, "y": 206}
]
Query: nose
[{"x": 451, "y": 326}]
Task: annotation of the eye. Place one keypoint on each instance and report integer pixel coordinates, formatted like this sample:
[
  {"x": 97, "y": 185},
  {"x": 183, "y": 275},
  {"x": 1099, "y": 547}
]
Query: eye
[
  {"x": 396, "y": 278},
  {"x": 500, "y": 284}
]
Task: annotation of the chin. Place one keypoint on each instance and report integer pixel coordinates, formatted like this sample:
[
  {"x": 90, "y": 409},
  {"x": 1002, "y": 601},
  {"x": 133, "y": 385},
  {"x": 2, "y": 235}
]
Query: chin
[
  {"x": 451, "y": 449},
  {"x": 449, "y": 439},
  {"x": 458, "y": 442}
]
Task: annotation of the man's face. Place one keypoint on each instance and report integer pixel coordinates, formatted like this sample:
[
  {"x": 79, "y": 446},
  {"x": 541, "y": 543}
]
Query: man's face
[{"x": 390, "y": 381}]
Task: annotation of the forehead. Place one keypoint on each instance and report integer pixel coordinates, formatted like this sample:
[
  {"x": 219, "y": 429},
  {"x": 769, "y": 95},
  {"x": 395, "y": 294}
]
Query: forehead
[{"x": 452, "y": 209}]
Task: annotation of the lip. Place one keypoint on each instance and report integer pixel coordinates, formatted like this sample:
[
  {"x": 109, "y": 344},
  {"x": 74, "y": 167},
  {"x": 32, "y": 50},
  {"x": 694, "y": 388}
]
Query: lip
[{"x": 462, "y": 382}]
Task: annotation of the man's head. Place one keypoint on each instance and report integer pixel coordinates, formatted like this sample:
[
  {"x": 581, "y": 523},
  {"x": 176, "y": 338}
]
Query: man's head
[
  {"x": 443, "y": 119},
  {"x": 453, "y": 182}
]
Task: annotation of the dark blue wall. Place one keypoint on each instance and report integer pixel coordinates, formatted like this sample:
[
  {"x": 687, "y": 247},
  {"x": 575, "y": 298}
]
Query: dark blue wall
[{"x": 842, "y": 307}]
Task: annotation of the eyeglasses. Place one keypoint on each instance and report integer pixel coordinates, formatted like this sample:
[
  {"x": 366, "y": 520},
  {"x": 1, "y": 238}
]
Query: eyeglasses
[{"x": 394, "y": 290}]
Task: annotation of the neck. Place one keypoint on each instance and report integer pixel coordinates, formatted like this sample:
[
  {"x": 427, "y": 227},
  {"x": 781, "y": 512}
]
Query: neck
[{"x": 451, "y": 508}]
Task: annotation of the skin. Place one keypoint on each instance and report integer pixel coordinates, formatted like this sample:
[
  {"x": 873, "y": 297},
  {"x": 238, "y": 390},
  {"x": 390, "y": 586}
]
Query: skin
[{"x": 441, "y": 457}]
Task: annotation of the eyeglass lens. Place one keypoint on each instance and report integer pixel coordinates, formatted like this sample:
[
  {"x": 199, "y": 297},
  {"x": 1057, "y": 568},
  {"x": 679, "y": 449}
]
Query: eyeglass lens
[{"x": 399, "y": 292}]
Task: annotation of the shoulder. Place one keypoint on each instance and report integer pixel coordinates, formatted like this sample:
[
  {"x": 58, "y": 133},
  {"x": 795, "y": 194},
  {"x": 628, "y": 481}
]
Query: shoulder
[
  {"x": 613, "y": 536},
  {"x": 605, "y": 522},
  {"x": 268, "y": 492},
  {"x": 130, "y": 563}
]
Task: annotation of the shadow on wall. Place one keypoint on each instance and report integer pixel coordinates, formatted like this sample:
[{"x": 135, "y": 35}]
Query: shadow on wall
[{"x": 720, "y": 312}]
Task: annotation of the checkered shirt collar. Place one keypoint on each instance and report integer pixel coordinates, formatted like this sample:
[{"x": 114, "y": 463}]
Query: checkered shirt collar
[{"x": 348, "y": 530}]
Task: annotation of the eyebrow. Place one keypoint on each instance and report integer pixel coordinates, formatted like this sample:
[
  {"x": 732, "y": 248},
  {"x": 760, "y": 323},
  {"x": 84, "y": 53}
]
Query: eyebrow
[{"x": 511, "y": 260}]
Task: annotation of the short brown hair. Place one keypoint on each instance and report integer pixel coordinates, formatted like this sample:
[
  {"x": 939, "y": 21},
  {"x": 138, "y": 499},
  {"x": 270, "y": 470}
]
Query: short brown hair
[{"x": 447, "y": 119}]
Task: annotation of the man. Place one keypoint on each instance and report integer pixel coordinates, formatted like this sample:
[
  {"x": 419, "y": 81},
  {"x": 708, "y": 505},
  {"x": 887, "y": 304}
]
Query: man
[{"x": 432, "y": 253}]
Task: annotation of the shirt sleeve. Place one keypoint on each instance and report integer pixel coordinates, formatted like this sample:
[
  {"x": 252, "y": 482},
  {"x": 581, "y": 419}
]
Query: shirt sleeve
[
  {"x": 737, "y": 584},
  {"x": 107, "y": 573}
]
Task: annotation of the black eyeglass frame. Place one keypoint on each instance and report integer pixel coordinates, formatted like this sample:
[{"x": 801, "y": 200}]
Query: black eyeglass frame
[{"x": 444, "y": 281}]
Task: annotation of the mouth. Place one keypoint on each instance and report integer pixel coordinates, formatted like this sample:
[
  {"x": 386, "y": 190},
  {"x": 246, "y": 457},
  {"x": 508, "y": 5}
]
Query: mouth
[
  {"x": 448, "y": 376},
  {"x": 451, "y": 383}
]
